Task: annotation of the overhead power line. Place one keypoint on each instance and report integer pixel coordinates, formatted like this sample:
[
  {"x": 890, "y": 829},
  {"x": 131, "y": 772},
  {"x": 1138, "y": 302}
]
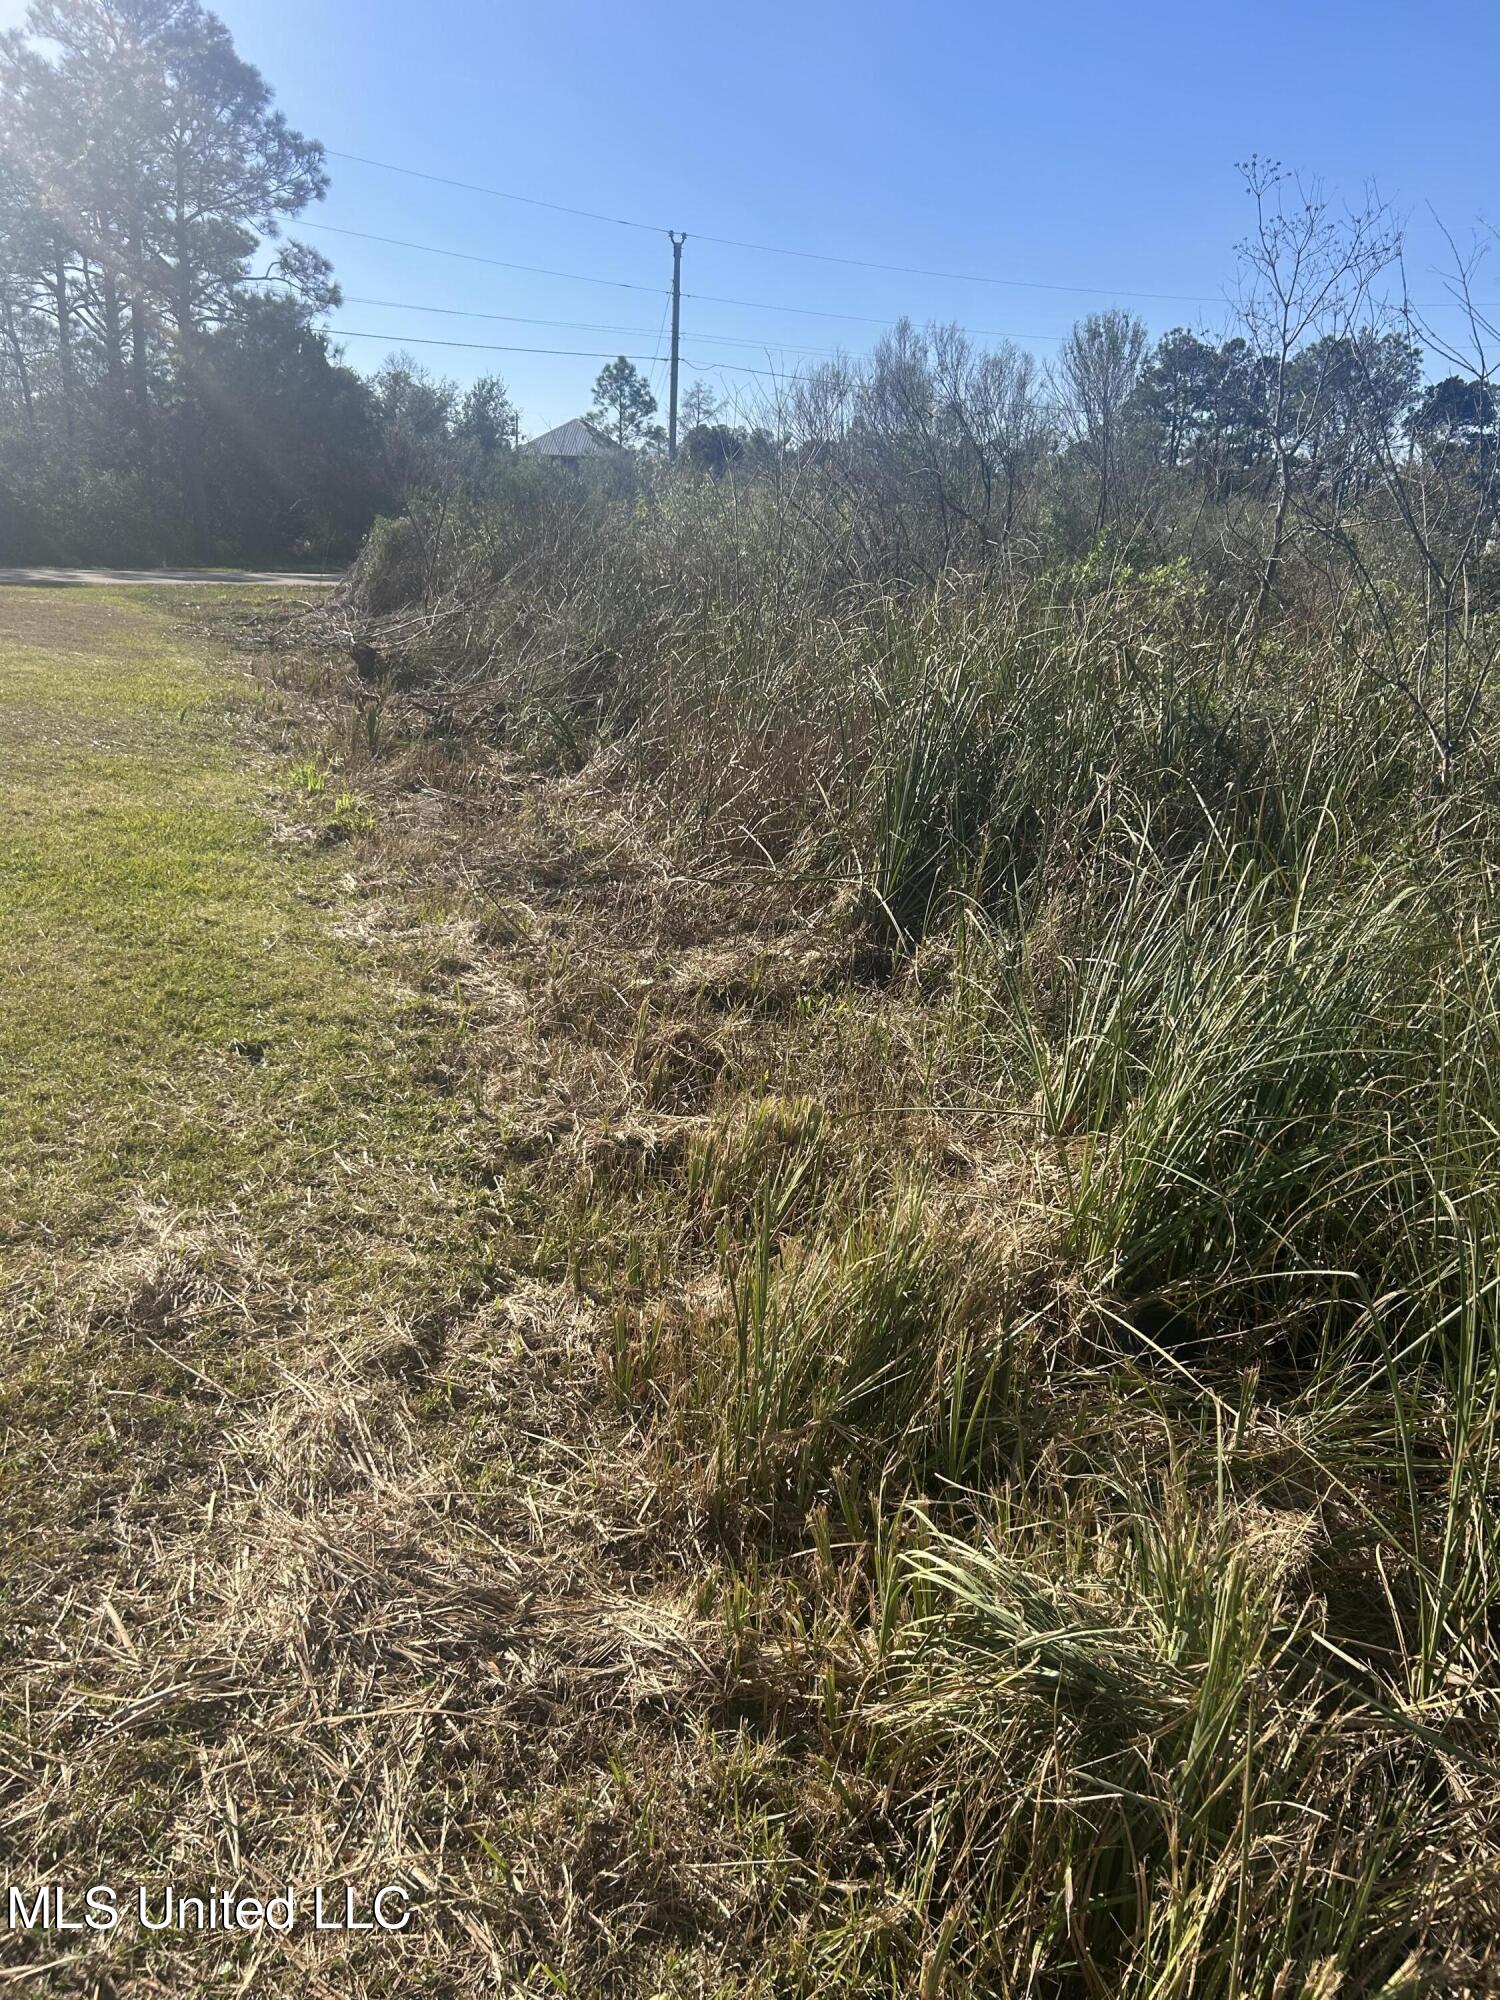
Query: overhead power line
[
  {"x": 587, "y": 325},
  {"x": 485, "y": 346},
  {"x": 861, "y": 319},
  {"x": 574, "y": 353},
  {"x": 660, "y": 329},
  {"x": 964, "y": 277},
  {"x": 852, "y": 263},
  {"x": 781, "y": 249},
  {"x": 654, "y": 291},
  {"x": 500, "y": 194},
  {"x": 473, "y": 257}
]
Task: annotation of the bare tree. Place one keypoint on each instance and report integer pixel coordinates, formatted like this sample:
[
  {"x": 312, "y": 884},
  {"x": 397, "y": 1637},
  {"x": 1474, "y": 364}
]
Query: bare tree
[
  {"x": 996, "y": 422},
  {"x": 921, "y": 455},
  {"x": 1097, "y": 372},
  {"x": 1306, "y": 276}
]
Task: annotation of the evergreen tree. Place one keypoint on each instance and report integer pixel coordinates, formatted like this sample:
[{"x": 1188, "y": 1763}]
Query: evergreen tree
[{"x": 624, "y": 406}]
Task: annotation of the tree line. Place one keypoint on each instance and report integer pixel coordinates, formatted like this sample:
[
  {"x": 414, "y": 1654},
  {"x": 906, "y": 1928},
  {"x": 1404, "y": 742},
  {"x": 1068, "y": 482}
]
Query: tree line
[{"x": 167, "y": 390}]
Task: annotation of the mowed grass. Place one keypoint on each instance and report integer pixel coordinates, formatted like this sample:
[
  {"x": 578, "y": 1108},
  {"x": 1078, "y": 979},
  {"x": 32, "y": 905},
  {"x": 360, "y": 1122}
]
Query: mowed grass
[
  {"x": 190, "y": 1039},
  {"x": 223, "y": 1161},
  {"x": 182, "y": 1024},
  {"x": 307, "y": 1568}
]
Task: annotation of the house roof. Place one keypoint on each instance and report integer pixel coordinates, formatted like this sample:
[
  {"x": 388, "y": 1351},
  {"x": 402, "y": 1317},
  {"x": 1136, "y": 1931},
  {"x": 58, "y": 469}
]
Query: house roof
[{"x": 575, "y": 439}]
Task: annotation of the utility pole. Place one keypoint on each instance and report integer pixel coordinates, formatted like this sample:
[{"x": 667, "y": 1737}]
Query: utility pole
[{"x": 679, "y": 237}]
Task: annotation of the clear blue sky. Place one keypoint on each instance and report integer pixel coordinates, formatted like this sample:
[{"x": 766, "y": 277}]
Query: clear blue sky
[{"x": 1087, "y": 146}]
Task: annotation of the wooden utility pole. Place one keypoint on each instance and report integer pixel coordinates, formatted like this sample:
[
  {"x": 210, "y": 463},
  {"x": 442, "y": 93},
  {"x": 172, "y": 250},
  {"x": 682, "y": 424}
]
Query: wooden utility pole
[{"x": 679, "y": 237}]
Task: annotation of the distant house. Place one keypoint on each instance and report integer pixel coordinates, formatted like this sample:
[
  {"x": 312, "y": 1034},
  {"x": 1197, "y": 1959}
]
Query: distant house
[{"x": 570, "y": 444}]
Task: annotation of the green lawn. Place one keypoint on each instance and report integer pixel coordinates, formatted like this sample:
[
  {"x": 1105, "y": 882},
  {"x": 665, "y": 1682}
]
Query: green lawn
[
  {"x": 182, "y": 1023},
  {"x": 221, "y": 1163}
]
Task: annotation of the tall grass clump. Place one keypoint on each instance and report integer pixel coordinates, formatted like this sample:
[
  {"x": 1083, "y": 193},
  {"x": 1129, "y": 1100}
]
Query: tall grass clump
[
  {"x": 874, "y": 1339},
  {"x": 1253, "y": 1080},
  {"x": 1131, "y": 1762}
]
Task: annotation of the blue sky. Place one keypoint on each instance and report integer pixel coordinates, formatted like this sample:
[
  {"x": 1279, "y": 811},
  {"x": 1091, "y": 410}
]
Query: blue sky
[{"x": 1086, "y": 147}]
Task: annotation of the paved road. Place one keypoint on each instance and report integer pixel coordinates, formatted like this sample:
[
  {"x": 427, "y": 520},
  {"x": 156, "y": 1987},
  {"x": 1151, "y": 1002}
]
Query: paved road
[{"x": 282, "y": 579}]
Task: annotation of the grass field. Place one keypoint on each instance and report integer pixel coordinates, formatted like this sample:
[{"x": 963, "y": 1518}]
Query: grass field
[{"x": 545, "y": 1367}]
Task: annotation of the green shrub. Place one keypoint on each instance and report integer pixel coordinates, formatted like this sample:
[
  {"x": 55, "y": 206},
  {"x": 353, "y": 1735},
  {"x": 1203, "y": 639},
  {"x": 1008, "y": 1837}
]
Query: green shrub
[{"x": 391, "y": 571}]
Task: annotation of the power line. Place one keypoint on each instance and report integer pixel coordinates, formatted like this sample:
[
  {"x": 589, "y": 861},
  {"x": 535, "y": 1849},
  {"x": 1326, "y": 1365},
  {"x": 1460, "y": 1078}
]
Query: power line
[
  {"x": 500, "y": 194},
  {"x": 484, "y": 346},
  {"x": 782, "y": 250},
  {"x": 622, "y": 284},
  {"x": 738, "y": 368},
  {"x": 473, "y": 257},
  {"x": 832, "y": 257},
  {"x": 661, "y": 328},
  {"x": 591, "y": 326},
  {"x": 966, "y": 277},
  {"x": 575, "y": 353},
  {"x": 863, "y": 319}
]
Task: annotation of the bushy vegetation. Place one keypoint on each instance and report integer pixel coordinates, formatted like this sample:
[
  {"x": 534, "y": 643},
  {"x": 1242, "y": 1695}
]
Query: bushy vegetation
[{"x": 1121, "y": 1481}]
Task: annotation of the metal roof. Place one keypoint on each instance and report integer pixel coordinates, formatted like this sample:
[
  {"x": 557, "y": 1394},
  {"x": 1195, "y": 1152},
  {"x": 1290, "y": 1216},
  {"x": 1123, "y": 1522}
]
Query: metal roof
[{"x": 574, "y": 439}]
